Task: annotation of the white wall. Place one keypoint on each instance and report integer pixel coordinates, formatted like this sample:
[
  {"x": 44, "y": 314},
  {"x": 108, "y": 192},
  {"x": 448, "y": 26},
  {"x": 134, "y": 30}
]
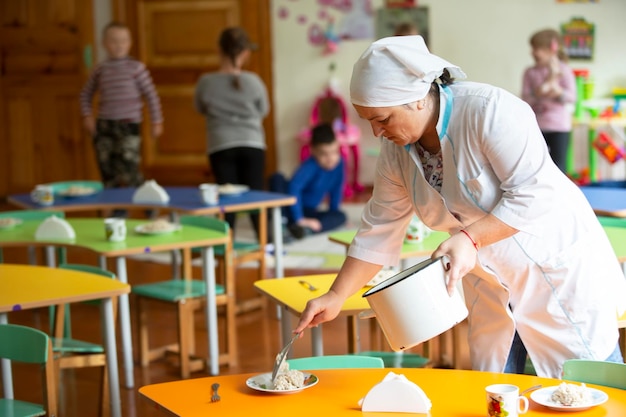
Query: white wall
[{"x": 487, "y": 38}]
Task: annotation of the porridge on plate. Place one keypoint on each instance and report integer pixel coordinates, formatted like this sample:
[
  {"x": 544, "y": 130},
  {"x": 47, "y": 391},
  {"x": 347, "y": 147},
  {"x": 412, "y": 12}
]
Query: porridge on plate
[{"x": 571, "y": 395}]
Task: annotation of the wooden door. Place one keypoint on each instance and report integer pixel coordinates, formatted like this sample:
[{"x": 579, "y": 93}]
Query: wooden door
[
  {"x": 177, "y": 40},
  {"x": 44, "y": 59}
]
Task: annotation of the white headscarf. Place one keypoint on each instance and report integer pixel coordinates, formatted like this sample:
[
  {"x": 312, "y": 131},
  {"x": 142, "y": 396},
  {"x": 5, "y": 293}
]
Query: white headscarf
[{"x": 396, "y": 70}]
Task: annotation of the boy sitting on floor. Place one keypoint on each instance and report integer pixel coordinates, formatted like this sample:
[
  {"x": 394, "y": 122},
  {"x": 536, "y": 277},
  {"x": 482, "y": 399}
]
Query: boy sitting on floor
[{"x": 321, "y": 175}]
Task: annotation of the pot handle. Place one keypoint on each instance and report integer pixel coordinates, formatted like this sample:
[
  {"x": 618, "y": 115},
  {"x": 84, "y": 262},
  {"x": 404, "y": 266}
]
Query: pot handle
[{"x": 367, "y": 314}]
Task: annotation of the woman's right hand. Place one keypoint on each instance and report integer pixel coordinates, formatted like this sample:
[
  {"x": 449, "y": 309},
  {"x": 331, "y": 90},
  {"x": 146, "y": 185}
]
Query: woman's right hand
[{"x": 319, "y": 310}]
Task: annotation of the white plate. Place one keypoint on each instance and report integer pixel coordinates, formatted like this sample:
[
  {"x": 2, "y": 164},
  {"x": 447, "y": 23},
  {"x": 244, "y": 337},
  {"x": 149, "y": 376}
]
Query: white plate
[
  {"x": 9, "y": 222},
  {"x": 78, "y": 192},
  {"x": 263, "y": 381},
  {"x": 233, "y": 189},
  {"x": 145, "y": 229},
  {"x": 543, "y": 396}
]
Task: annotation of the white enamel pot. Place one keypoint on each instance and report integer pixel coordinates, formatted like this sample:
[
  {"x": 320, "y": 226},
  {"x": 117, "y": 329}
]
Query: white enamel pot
[{"x": 414, "y": 306}]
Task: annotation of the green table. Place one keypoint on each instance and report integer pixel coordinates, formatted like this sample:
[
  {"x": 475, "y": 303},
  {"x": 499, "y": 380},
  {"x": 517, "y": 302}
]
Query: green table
[
  {"x": 409, "y": 250},
  {"x": 90, "y": 235}
]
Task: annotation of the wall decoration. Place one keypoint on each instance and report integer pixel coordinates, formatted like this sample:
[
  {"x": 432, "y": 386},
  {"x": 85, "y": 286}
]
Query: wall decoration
[
  {"x": 400, "y": 3},
  {"x": 335, "y": 21},
  {"x": 358, "y": 22},
  {"x": 388, "y": 19},
  {"x": 578, "y": 1},
  {"x": 578, "y": 38}
]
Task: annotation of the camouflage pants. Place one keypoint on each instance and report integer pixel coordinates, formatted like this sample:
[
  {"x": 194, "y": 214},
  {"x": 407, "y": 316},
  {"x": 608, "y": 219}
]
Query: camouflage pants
[{"x": 117, "y": 146}]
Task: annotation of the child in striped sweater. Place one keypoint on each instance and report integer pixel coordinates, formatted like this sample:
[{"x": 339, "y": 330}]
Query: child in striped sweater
[{"x": 122, "y": 83}]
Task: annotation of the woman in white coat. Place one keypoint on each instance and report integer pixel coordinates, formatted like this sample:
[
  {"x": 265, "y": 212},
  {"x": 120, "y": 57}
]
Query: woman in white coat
[{"x": 539, "y": 274}]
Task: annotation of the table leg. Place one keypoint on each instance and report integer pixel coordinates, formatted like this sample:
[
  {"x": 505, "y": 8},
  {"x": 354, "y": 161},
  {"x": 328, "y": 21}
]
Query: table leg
[
  {"x": 317, "y": 341},
  {"x": 51, "y": 256},
  {"x": 127, "y": 341},
  {"x": 110, "y": 348},
  {"x": 208, "y": 272},
  {"x": 7, "y": 375},
  {"x": 279, "y": 269},
  {"x": 175, "y": 254}
]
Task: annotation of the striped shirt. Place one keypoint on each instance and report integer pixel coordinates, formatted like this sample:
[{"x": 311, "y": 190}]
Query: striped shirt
[{"x": 121, "y": 84}]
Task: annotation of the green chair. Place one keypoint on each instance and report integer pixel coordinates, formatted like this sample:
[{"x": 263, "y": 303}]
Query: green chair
[
  {"x": 26, "y": 215},
  {"x": 28, "y": 345},
  {"x": 612, "y": 221},
  {"x": 609, "y": 374},
  {"x": 70, "y": 353},
  {"x": 398, "y": 359},
  {"x": 335, "y": 362},
  {"x": 60, "y": 186},
  {"x": 188, "y": 295},
  {"x": 244, "y": 252}
]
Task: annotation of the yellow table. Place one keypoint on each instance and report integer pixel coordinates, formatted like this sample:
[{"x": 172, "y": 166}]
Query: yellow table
[
  {"x": 90, "y": 236},
  {"x": 293, "y": 294},
  {"x": 452, "y": 392},
  {"x": 26, "y": 287}
]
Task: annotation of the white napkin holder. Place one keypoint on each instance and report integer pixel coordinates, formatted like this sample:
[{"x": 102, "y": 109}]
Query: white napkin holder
[
  {"x": 396, "y": 394},
  {"x": 55, "y": 228},
  {"x": 151, "y": 192}
]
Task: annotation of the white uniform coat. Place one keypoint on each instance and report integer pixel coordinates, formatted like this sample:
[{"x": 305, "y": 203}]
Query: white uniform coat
[{"x": 559, "y": 274}]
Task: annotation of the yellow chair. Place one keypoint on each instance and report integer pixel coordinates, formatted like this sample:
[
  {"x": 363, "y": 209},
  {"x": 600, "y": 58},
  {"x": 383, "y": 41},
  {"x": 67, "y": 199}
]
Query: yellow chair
[
  {"x": 28, "y": 345},
  {"x": 70, "y": 353},
  {"x": 188, "y": 295},
  {"x": 609, "y": 374}
]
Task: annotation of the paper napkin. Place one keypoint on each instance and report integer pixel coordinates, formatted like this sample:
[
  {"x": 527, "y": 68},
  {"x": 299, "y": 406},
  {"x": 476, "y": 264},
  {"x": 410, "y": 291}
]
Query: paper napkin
[
  {"x": 151, "y": 192},
  {"x": 396, "y": 394}
]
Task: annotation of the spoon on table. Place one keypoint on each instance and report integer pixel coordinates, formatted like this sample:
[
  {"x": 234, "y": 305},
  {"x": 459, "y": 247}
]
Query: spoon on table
[{"x": 527, "y": 390}]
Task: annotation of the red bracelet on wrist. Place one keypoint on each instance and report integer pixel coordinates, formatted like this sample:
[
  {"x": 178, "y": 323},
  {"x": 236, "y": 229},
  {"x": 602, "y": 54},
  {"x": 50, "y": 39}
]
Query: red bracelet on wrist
[{"x": 470, "y": 238}]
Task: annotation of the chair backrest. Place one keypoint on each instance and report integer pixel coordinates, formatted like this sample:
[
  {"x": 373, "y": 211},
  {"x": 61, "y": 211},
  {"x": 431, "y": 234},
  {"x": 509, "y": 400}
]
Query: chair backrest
[
  {"x": 609, "y": 374},
  {"x": 28, "y": 345},
  {"x": 31, "y": 214},
  {"x": 207, "y": 222},
  {"x": 64, "y": 185},
  {"x": 335, "y": 362},
  {"x": 88, "y": 268},
  {"x": 612, "y": 221}
]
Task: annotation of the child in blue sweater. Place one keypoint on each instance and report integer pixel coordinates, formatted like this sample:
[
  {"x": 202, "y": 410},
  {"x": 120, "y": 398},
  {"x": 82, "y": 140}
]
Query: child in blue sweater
[{"x": 321, "y": 176}]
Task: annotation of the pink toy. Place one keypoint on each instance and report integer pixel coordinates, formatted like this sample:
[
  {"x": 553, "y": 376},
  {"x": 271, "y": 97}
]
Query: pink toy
[{"x": 331, "y": 108}]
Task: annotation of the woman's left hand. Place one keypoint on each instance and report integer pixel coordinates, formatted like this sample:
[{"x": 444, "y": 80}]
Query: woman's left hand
[{"x": 461, "y": 254}]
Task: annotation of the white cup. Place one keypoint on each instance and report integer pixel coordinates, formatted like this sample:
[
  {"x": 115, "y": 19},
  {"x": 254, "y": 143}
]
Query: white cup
[
  {"x": 416, "y": 231},
  {"x": 43, "y": 195},
  {"x": 115, "y": 229},
  {"x": 504, "y": 400},
  {"x": 210, "y": 194}
]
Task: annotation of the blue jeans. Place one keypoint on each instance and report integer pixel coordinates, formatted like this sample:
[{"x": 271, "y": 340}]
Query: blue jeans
[{"x": 516, "y": 361}]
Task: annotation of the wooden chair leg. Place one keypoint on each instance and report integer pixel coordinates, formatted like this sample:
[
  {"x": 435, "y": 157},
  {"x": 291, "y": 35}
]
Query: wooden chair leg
[
  {"x": 142, "y": 322},
  {"x": 185, "y": 328},
  {"x": 105, "y": 406}
]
